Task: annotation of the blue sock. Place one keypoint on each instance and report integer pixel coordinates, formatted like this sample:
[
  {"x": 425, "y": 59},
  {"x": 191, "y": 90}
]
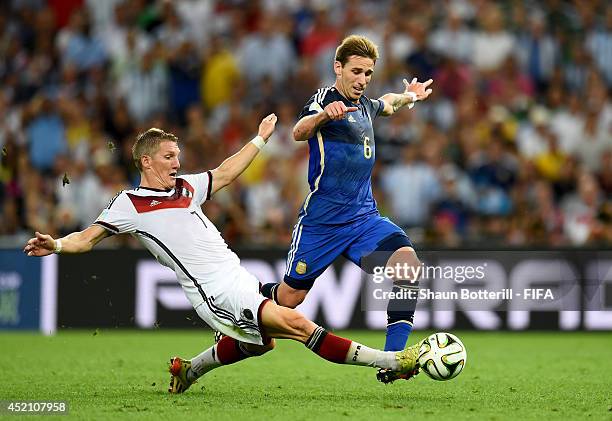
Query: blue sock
[
  {"x": 397, "y": 336},
  {"x": 400, "y": 315}
]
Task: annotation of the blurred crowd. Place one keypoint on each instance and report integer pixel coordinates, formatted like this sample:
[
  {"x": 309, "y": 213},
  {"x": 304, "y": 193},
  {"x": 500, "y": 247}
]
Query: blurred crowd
[{"x": 513, "y": 148}]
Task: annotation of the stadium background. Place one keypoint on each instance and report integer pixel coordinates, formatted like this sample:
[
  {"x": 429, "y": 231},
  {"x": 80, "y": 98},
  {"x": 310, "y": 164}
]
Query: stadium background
[
  {"x": 511, "y": 156},
  {"x": 513, "y": 149}
]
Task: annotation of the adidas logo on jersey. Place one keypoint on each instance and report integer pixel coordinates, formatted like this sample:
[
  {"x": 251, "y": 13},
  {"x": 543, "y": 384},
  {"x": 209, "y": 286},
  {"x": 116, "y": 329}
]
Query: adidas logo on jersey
[
  {"x": 351, "y": 119},
  {"x": 154, "y": 203}
]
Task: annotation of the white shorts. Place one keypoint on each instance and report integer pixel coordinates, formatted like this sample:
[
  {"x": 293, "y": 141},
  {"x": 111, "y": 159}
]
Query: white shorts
[{"x": 234, "y": 308}]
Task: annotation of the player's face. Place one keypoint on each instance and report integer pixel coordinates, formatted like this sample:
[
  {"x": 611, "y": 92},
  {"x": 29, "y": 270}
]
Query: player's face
[
  {"x": 165, "y": 164},
  {"x": 354, "y": 76}
]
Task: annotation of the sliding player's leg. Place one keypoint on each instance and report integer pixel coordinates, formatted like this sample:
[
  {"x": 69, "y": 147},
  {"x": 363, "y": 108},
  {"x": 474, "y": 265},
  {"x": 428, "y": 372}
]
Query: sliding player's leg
[
  {"x": 286, "y": 323},
  {"x": 232, "y": 308},
  {"x": 226, "y": 351}
]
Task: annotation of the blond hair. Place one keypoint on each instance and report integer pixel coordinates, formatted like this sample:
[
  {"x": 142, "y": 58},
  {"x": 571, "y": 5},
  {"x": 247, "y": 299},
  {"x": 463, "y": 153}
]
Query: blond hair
[
  {"x": 356, "y": 45},
  {"x": 147, "y": 143}
]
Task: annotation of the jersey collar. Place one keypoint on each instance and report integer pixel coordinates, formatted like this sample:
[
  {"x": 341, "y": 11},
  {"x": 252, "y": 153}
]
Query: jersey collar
[
  {"x": 154, "y": 189},
  {"x": 345, "y": 99}
]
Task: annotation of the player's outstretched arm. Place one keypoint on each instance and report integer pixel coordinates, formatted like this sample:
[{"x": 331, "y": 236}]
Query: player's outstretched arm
[
  {"x": 308, "y": 126},
  {"x": 77, "y": 242},
  {"x": 413, "y": 92},
  {"x": 233, "y": 166}
]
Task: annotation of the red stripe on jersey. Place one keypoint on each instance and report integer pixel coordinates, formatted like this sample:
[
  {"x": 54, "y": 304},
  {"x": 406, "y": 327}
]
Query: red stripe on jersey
[{"x": 183, "y": 194}]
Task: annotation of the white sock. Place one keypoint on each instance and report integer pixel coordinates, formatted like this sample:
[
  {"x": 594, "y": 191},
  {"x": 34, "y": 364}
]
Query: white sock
[
  {"x": 203, "y": 363},
  {"x": 359, "y": 354}
]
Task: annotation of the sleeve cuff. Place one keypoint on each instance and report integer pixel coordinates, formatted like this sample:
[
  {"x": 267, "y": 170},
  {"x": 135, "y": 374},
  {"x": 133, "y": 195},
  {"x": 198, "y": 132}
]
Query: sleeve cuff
[
  {"x": 209, "y": 190},
  {"x": 109, "y": 227}
]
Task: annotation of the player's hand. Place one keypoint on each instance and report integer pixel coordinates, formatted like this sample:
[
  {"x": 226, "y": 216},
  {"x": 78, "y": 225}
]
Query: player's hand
[
  {"x": 420, "y": 89},
  {"x": 41, "y": 245},
  {"x": 266, "y": 127},
  {"x": 337, "y": 110}
]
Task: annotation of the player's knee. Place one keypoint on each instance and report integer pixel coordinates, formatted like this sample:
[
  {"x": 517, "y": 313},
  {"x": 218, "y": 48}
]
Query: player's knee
[
  {"x": 405, "y": 255},
  {"x": 268, "y": 347},
  {"x": 260, "y": 349},
  {"x": 288, "y": 297},
  {"x": 291, "y": 301},
  {"x": 406, "y": 259}
]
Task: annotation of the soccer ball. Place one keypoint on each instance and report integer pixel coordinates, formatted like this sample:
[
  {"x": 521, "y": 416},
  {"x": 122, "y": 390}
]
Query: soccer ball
[{"x": 442, "y": 356}]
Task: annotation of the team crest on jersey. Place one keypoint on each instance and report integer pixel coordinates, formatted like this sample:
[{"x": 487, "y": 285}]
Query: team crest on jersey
[
  {"x": 154, "y": 203},
  {"x": 351, "y": 119},
  {"x": 186, "y": 193},
  {"x": 301, "y": 267}
]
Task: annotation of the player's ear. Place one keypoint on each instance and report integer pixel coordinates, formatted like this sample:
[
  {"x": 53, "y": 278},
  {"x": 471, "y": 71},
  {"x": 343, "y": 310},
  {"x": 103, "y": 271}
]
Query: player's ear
[
  {"x": 145, "y": 161},
  {"x": 338, "y": 68}
]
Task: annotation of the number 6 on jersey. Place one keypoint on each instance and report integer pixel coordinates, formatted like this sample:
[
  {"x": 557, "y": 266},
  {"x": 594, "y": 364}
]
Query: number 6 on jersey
[{"x": 367, "y": 149}]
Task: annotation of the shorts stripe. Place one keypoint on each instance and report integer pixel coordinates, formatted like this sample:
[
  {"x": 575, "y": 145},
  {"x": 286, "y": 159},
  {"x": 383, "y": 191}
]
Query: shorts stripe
[
  {"x": 297, "y": 230},
  {"x": 297, "y": 244},
  {"x": 293, "y": 239}
]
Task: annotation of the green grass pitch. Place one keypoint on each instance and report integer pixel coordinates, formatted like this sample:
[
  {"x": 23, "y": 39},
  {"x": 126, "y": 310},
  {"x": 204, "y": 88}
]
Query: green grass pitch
[{"x": 114, "y": 374}]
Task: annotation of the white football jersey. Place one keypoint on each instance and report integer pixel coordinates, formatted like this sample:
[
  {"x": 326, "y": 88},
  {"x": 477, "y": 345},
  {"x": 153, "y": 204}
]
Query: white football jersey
[{"x": 172, "y": 226}]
